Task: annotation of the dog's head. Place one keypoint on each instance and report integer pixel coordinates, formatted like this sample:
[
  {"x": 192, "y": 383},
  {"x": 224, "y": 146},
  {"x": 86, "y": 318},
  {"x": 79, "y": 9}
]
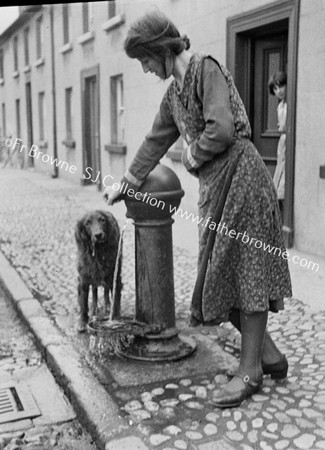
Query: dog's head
[{"x": 92, "y": 230}]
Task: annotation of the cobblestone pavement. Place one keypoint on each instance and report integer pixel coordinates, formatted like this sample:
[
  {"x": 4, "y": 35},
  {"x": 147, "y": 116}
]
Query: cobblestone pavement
[
  {"x": 37, "y": 220},
  {"x": 18, "y": 355}
]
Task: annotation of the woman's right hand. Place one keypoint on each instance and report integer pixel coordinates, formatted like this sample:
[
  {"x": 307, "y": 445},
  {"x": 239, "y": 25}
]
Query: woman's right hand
[{"x": 112, "y": 195}]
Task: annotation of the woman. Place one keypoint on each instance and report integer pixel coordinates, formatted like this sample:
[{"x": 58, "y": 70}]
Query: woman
[
  {"x": 203, "y": 106},
  {"x": 278, "y": 87}
]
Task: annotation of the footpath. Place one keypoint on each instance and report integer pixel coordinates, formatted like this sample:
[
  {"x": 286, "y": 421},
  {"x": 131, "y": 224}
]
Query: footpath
[{"x": 145, "y": 406}]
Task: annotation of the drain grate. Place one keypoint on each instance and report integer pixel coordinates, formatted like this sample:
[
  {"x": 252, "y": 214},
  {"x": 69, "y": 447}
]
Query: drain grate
[{"x": 16, "y": 403}]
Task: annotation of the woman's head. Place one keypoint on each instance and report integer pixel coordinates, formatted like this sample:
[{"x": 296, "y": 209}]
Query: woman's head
[
  {"x": 277, "y": 80},
  {"x": 154, "y": 36}
]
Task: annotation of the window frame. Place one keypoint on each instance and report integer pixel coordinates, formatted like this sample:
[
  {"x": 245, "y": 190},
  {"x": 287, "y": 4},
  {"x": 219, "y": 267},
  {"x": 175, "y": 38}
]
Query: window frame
[
  {"x": 41, "y": 115},
  {"x": 15, "y": 50},
  {"x": 26, "y": 46},
  {"x": 1, "y": 63},
  {"x": 39, "y": 37},
  {"x": 68, "y": 113},
  {"x": 117, "y": 109},
  {"x": 66, "y": 23},
  {"x": 112, "y": 10},
  {"x": 18, "y": 118}
]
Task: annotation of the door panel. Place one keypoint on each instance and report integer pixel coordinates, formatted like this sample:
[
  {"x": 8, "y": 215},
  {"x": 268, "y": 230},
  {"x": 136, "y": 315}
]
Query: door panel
[{"x": 270, "y": 55}]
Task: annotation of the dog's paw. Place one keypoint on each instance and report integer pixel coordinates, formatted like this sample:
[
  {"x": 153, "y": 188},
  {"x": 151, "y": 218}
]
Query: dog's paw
[{"x": 82, "y": 327}]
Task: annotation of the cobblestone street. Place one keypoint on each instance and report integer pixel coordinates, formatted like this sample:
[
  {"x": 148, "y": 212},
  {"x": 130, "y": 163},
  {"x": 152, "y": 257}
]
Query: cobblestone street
[{"x": 37, "y": 220}]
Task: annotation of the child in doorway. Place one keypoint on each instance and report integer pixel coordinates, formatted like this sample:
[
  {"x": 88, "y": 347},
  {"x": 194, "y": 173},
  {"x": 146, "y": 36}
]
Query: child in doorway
[{"x": 278, "y": 87}]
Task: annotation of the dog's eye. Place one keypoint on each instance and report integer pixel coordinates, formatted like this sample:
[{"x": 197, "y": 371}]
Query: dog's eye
[
  {"x": 101, "y": 219},
  {"x": 88, "y": 222}
]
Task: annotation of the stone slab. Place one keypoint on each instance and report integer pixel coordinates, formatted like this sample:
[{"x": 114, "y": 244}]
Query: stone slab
[
  {"x": 19, "y": 425},
  {"x": 127, "y": 443},
  {"x": 49, "y": 397},
  {"x": 209, "y": 357}
]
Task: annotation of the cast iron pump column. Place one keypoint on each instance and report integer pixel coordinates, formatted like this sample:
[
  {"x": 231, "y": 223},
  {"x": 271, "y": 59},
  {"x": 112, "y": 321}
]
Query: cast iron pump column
[{"x": 151, "y": 211}]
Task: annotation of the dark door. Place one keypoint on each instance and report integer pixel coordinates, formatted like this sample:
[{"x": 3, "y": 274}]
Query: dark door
[
  {"x": 29, "y": 118},
  {"x": 91, "y": 145},
  {"x": 270, "y": 56}
]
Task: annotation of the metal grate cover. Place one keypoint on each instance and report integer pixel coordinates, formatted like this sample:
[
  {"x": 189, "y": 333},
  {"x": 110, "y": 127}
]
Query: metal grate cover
[{"x": 16, "y": 403}]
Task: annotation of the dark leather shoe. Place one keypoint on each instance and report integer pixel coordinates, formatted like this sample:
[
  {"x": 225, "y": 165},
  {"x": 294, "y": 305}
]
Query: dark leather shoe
[
  {"x": 278, "y": 370},
  {"x": 227, "y": 399}
]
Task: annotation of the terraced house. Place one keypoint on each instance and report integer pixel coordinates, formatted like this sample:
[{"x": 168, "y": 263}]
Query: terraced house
[{"x": 68, "y": 89}]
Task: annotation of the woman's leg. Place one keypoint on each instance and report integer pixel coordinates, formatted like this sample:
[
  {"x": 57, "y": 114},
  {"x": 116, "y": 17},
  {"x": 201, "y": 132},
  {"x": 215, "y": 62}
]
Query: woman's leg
[
  {"x": 271, "y": 354},
  {"x": 249, "y": 375},
  {"x": 253, "y": 328}
]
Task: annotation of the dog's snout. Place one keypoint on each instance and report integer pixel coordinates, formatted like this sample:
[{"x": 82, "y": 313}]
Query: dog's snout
[{"x": 99, "y": 235}]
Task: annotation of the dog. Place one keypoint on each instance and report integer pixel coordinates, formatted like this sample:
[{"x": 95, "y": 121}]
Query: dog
[{"x": 97, "y": 236}]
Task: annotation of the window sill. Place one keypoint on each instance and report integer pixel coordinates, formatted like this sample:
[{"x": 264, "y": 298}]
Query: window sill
[
  {"x": 40, "y": 62},
  {"x": 26, "y": 68},
  {"x": 86, "y": 37},
  {"x": 42, "y": 144},
  {"x": 66, "y": 48},
  {"x": 114, "y": 22},
  {"x": 174, "y": 155},
  {"x": 15, "y": 74},
  {"x": 117, "y": 149},
  {"x": 2, "y": 81},
  {"x": 70, "y": 143}
]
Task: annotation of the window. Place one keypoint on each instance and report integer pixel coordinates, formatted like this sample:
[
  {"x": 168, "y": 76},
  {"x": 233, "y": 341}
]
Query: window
[
  {"x": 111, "y": 8},
  {"x": 117, "y": 110},
  {"x": 15, "y": 53},
  {"x": 26, "y": 46},
  {"x": 1, "y": 63},
  {"x": 39, "y": 37},
  {"x": 68, "y": 113},
  {"x": 66, "y": 23},
  {"x": 41, "y": 114},
  {"x": 18, "y": 129},
  {"x": 86, "y": 16},
  {"x": 3, "y": 110}
]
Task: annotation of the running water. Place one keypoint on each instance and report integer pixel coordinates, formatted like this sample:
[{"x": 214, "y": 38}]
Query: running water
[{"x": 117, "y": 262}]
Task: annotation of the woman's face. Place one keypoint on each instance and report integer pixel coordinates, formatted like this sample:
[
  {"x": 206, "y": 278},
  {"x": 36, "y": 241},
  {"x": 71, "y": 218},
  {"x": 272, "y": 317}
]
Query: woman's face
[
  {"x": 153, "y": 66},
  {"x": 280, "y": 92}
]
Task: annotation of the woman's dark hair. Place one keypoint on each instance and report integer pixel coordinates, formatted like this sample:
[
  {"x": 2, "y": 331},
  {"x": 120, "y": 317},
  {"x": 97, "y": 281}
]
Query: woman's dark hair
[
  {"x": 154, "y": 35},
  {"x": 277, "y": 79}
]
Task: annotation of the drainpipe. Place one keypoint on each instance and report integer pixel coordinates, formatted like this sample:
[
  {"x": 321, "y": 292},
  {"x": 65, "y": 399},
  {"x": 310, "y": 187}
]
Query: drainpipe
[{"x": 55, "y": 146}]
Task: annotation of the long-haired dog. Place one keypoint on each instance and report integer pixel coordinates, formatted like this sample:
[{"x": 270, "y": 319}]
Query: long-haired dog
[{"x": 97, "y": 235}]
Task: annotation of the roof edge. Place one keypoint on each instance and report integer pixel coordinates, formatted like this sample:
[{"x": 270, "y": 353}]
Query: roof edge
[{"x": 23, "y": 17}]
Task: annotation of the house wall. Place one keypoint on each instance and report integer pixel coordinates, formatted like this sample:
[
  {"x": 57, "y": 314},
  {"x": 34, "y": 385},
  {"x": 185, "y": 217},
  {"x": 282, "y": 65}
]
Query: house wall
[
  {"x": 309, "y": 206},
  {"x": 204, "y": 21}
]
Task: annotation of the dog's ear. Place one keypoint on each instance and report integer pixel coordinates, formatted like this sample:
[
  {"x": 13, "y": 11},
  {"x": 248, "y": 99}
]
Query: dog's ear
[{"x": 81, "y": 234}]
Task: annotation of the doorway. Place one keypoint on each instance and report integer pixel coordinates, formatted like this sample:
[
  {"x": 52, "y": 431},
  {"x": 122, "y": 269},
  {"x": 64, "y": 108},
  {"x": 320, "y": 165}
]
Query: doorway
[
  {"x": 29, "y": 118},
  {"x": 90, "y": 124},
  {"x": 270, "y": 56},
  {"x": 260, "y": 42}
]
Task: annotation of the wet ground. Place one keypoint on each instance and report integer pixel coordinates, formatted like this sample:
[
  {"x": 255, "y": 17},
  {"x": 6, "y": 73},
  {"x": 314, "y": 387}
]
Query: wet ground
[
  {"x": 37, "y": 220},
  {"x": 19, "y": 358}
]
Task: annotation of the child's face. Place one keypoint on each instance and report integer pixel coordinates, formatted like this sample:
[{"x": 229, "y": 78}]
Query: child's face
[{"x": 280, "y": 92}]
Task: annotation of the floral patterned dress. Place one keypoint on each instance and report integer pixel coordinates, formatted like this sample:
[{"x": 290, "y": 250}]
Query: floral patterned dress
[{"x": 248, "y": 269}]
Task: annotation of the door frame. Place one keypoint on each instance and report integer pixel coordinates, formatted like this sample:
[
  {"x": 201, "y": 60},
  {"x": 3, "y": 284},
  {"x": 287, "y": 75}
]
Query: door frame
[
  {"x": 87, "y": 73},
  {"x": 240, "y": 29}
]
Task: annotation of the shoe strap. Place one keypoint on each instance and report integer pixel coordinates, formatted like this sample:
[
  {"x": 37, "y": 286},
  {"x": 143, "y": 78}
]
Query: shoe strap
[{"x": 247, "y": 380}]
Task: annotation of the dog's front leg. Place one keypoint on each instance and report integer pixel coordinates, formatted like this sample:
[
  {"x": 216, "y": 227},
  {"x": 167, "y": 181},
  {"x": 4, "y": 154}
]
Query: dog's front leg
[
  {"x": 94, "y": 306},
  {"x": 106, "y": 301},
  {"x": 83, "y": 291}
]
